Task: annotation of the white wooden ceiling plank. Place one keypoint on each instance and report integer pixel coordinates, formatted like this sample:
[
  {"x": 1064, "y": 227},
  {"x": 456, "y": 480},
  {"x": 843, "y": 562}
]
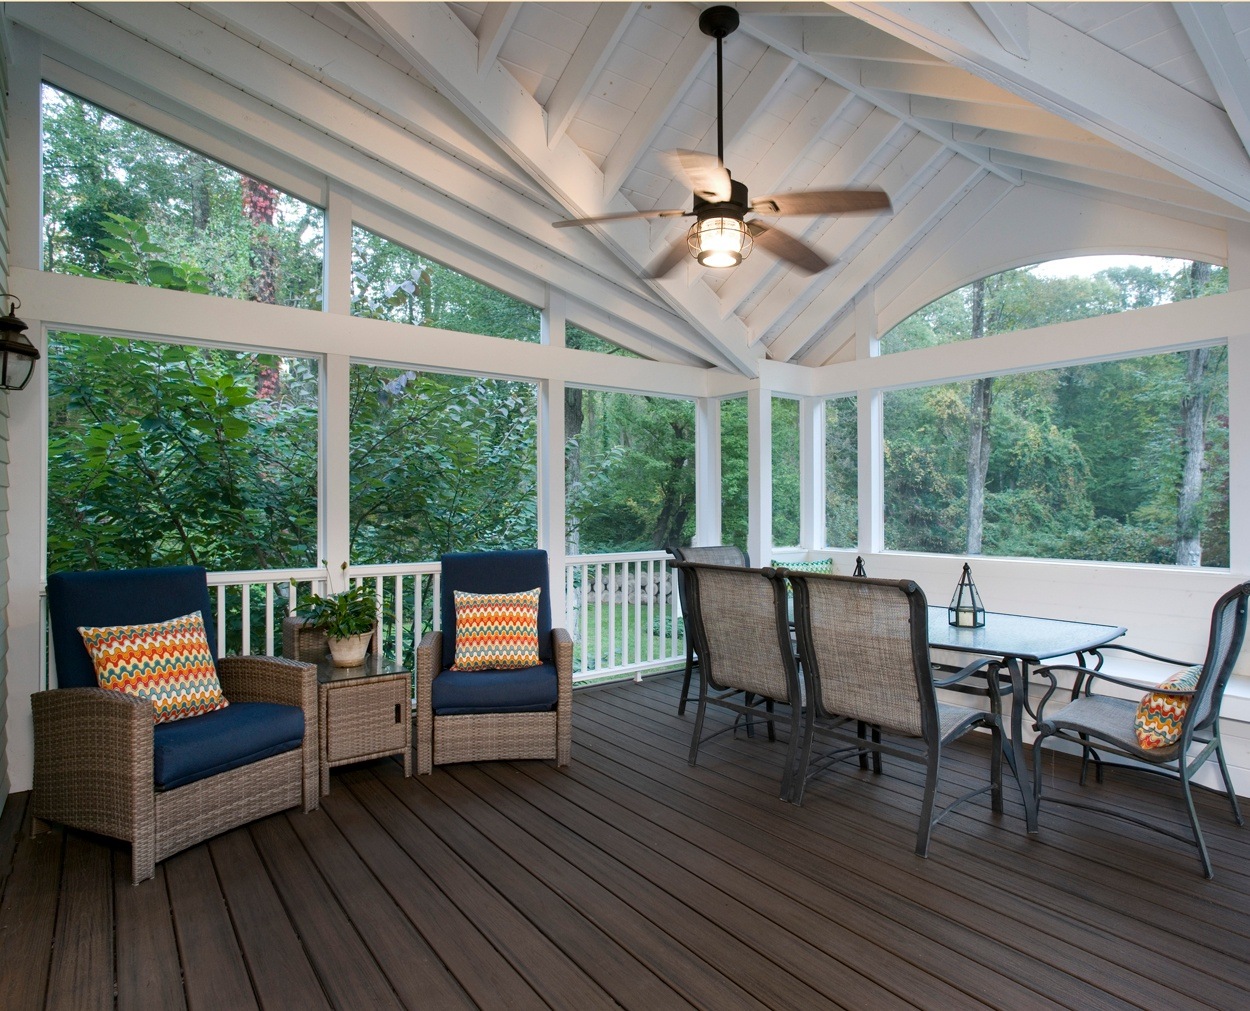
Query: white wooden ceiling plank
[
  {"x": 918, "y": 216},
  {"x": 852, "y": 39},
  {"x": 362, "y": 160},
  {"x": 1214, "y": 41},
  {"x": 586, "y": 64},
  {"x": 937, "y": 82},
  {"x": 845, "y": 166},
  {"x": 1087, "y": 83},
  {"x": 440, "y": 47},
  {"x": 492, "y": 32},
  {"x": 678, "y": 75},
  {"x": 837, "y": 237},
  {"x": 1102, "y": 156}
]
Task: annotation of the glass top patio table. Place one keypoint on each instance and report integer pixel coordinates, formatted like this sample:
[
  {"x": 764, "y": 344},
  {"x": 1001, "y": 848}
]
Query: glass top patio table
[{"x": 1021, "y": 641}]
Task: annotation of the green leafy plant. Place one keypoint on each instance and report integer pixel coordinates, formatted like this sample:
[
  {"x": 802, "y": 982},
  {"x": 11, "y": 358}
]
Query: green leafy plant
[{"x": 341, "y": 615}]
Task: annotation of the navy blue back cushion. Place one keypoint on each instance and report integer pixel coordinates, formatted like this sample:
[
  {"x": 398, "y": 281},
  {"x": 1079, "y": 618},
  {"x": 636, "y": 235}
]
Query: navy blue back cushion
[
  {"x": 118, "y": 597},
  {"x": 495, "y": 572}
]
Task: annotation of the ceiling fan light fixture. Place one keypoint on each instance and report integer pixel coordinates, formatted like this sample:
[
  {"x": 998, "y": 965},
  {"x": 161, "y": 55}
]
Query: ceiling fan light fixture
[{"x": 720, "y": 241}]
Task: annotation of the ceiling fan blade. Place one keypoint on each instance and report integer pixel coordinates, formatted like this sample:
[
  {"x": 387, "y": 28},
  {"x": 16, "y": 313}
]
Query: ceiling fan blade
[
  {"x": 706, "y": 175},
  {"x": 822, "y": 202},
  {"x": 622, "y": 216},
  {"x": 787, "y": 247},
  {"x": 664, "y": 264}
]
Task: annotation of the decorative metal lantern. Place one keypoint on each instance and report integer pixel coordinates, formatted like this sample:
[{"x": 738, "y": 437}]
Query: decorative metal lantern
[
  {"x": 859, "y": 567},
  {"x": 17, "y": 354},
  {"x": 966, "y": 610}
]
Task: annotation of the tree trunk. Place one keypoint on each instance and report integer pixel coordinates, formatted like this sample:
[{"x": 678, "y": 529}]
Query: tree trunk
[
  {"x": 1193, "y": 441},
  {"x": 980, "y": 405}
]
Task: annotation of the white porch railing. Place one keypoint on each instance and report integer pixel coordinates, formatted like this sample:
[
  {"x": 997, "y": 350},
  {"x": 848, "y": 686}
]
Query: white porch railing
[{"x": 622, "y": 610}]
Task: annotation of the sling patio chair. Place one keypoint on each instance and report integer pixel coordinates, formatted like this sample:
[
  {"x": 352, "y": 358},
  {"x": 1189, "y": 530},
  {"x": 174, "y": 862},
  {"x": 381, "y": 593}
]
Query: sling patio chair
[
  {"x": 1171, "y": 732},
  {"x": 708, "y": 554}
]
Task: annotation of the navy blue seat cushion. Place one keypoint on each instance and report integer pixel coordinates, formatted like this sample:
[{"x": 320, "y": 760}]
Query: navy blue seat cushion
[
  {"x": 118, "y": 597},
  {"x": 462, "y": 693},
  {"x": 495, "y": 572},
  {"x": 242, "y": 733}
]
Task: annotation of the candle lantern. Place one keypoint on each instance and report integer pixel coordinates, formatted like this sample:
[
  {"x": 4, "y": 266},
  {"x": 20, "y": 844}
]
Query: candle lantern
[
  {"x": 966, "y": 609},
  {"x": 859, "y": 567}
]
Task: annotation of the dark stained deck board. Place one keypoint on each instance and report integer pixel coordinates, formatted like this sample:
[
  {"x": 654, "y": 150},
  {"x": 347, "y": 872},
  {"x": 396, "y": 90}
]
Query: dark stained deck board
[
  {"x": 897, "y": 802},
  {"x": 630, "y": 879}
]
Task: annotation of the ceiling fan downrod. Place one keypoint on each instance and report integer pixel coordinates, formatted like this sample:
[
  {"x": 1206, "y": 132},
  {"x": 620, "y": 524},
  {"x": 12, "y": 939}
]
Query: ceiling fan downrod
[{"x": 719, "y": 22}]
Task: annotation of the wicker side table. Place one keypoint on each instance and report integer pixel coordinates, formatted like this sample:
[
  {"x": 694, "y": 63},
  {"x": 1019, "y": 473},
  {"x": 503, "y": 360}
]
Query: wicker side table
[{"x": 365, "y": 712}]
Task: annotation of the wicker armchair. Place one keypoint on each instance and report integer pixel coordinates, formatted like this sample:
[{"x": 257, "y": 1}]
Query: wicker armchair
[
  {"x": 707, "y": 554},
  {"x": 1101, "y": 724},
  {"x": 486, "y": 716},
  {"x": 864, "y": 651},
  {"x": 95, "y": 749},
  {"x": 742, "y": 633}
]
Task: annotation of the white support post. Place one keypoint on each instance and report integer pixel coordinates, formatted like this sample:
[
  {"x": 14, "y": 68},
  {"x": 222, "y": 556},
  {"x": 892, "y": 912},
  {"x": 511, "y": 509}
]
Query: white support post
[
  {"x": 760, "y": 475},
  {"x": 552, "y": 519},
  {"x": 812, "y": 473},
  {"x": 707, "y": 471},
  {"x": 337, "y": 265},
  {"x": 335, "y": 488}
]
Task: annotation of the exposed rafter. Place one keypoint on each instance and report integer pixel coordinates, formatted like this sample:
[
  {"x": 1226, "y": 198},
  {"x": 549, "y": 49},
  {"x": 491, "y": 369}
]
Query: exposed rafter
[
  {"x": 1089, "y": 83},
  {"x": 586, "y": 64},
  {"x": 438, "y": 45},
  {"x": 1216, "y": 44},
  {"x": 492, "y": 32}
]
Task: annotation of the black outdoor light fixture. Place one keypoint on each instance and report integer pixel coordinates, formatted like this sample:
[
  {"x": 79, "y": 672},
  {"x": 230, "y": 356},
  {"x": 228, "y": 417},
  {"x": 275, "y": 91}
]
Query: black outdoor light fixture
[
  {"x": 966, "y": 610},
  {"x": 17, "y": 354}
]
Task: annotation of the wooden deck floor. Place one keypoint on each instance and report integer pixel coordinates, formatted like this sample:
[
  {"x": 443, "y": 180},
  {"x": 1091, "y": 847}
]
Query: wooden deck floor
[{"x": 630, "y": 879}]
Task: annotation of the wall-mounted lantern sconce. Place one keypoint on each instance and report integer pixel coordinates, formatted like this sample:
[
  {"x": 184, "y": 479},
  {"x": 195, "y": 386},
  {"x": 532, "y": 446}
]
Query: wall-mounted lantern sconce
[{"x": 17, "y": 354}]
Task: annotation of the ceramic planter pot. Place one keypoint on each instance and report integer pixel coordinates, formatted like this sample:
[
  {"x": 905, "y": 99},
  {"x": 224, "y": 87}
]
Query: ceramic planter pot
[{"x": 349, "y": 651}]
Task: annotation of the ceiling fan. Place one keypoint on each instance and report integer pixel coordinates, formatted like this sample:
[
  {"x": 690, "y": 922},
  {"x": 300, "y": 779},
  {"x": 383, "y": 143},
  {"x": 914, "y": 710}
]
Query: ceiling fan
[{"x": 721, "y": 236}]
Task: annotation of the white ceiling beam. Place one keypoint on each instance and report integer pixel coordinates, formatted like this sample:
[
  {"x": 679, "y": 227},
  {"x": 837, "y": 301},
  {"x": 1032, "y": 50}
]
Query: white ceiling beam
[
  {"x": 849, "y": 38},
  {"x": 433, "y": 39},
  {"x": 1101, "y": 156},
  {"x": 785, "y": 35},
  {"x": 1177, "y": 194},
  {"x": 369, "y": 157},
  {"x": 1216, "y": 44},
  {"x": 1081, "y": 79},
  {"x": 937, "y": 82},
  {"x": 843, "y": 169},
  {"x": 1008, "y": 23},
  {"x": 869, "y": 264},
  {"x": 675, "y": 79},
  {"x": 1029, "y": 121},
  {"x": 585, "y": 65},
  {"x": 492, "y": 32}
]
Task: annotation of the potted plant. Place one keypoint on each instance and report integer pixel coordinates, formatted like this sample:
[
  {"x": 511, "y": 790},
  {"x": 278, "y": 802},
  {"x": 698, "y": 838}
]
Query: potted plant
[{"x": 347, "y": 618}]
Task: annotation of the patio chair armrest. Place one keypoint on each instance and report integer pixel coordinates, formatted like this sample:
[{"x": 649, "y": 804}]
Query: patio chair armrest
[
  {"x": 562, "y": 650},
  {"x": 1149, "y": 656},
  {"x": 986, "y": 665},
  {"x": 965, "y": 672},
  {"x": 269, "y": 679},
  {"x": 93, "y": 759},
  {"x": 429, "y": 662},
  {"x": 562, "y": 653}
]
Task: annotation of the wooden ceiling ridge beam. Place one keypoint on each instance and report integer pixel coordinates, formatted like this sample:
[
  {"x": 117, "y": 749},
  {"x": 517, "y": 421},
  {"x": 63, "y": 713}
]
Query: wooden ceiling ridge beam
[
  {"x": 679, "y": 73},
  {"x": 353, "y": 162},
  {"x": 433, "y": 39},
  {"x": 844, "y": 168},
  {"x": 940, "y": 193},
  {"x": 1086, "y": 82},
  {"x": 839, "y": 236},
  {"x": 589, "y": 58},
  {"x": 782, "y": 34},
  {"x": 1215, "y": 42}
]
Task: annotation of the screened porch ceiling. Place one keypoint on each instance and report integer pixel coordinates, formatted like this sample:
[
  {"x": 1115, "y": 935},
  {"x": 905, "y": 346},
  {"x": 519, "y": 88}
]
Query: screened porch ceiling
[{"x": 1057, "y": 128}]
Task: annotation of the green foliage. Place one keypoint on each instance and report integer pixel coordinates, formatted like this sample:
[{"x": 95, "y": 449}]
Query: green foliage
[
  {"x": 734, "y": 471},
  {"x": 841, "y": 472},
  {"x": 351, "y": 611},
  {"x": 785, "y": 464}
]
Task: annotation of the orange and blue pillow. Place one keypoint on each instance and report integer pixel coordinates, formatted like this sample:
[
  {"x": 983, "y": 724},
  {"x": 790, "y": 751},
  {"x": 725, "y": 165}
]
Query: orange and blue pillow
[
  {"x": 1160, "y": 716},
  {"x": 166, "y": 662},
  {"x": 496, "y": 631}
]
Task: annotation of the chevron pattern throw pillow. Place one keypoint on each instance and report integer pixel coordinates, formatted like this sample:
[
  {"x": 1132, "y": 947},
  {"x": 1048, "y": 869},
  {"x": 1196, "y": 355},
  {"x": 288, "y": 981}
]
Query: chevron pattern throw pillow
[
  {"x": 166, "y": 662},
  {"x": 496, "y": 631},
  {"x": 1160, "y": 717}
]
